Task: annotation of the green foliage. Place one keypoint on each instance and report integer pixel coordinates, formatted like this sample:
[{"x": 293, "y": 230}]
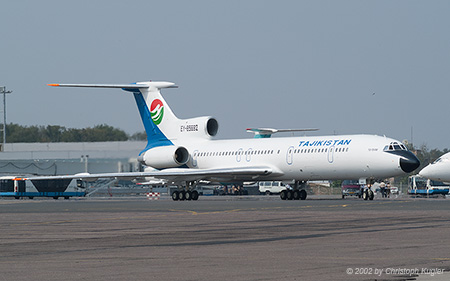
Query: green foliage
[
  {"x": 336, "y": 183},
  {"x": 140, "y": 136},
  {"x": 53, "y": 133}
]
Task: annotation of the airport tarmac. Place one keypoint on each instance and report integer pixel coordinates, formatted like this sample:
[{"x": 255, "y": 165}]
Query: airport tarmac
[{"x": 225, "y": 238}]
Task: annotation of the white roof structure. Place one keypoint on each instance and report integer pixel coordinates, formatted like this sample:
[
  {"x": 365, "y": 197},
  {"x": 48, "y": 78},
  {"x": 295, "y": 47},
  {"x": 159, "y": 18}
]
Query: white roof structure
[{"x": 74, "y": 150}]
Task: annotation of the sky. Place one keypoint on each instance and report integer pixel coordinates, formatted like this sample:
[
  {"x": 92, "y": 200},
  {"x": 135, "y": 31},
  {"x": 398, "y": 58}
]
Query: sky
[{"x": 345, "y": 67}]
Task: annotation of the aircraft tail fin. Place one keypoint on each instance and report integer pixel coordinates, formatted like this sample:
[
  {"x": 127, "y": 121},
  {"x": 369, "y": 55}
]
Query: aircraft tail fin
[{"x": 160, "y": 123}]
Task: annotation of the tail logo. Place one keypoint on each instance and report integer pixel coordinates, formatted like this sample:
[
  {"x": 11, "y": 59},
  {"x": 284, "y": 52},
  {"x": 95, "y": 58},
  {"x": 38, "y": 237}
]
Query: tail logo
[{"x": 157, "y": 111}]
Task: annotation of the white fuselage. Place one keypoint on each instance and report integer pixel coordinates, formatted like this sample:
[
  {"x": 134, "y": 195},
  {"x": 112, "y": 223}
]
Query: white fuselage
[
  {"x": 300, "y": 158},
  {"x": 438, "y": 170},
  {"x": 182, "y": 149}
]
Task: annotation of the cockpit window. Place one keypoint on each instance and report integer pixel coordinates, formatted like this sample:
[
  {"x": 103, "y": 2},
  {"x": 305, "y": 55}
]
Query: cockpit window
[
  {"x": 393, "y": 146},
  {"x": 437, "y": 160}
]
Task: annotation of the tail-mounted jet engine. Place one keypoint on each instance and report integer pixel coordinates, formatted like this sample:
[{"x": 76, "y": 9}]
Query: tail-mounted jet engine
[
  {"x": 165, "y": 157},
  {"x": 198, "y": 127}
]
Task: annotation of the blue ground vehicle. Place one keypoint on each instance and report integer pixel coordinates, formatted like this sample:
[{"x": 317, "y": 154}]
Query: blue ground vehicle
[
  {"x": 12, "y": 187},
  {"x": 418, "y": 185}
]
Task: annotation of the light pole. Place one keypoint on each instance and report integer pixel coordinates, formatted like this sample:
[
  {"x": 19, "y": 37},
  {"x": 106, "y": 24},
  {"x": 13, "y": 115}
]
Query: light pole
[
  {"x": 4, "y": 91},
  {"x": 85, "y": 159}
]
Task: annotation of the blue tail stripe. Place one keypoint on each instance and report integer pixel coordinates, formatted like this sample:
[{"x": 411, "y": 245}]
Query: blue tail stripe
[{"x": 154, "y": 135}]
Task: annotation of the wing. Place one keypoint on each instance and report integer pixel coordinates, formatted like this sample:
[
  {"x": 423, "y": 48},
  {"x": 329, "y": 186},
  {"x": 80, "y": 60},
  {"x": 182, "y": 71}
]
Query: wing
[{"x": 178, "y": 174}]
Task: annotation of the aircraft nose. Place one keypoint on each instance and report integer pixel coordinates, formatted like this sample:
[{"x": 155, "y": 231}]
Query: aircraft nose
[
  {"x": 425, "y": 172},
  {"x": 409, "y": 162}
]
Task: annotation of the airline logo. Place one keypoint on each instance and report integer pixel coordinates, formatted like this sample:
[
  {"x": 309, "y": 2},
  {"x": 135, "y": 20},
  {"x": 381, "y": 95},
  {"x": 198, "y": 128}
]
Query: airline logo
[
  {"x": 157, "y": 111},
  {"x": 325, "y": 142}
]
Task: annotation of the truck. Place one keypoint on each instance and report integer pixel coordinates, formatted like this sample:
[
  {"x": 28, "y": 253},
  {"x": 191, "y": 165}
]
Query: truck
[
  {"x": 351, "y": 188},
  {"x": 418, "y": 185},
  {"x": 17, "y": 188}
]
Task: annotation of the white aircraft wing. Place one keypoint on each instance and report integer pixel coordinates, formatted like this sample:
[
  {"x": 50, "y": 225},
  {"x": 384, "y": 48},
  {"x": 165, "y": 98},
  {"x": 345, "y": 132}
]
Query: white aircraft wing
[{"x": 176, "y": 174}]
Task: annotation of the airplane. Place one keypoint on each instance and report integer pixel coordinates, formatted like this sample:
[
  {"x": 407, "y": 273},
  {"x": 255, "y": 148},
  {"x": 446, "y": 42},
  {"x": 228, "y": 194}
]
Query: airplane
[
  {"x": 439, "y": 170},
  {"x": 184, "y": 152}
]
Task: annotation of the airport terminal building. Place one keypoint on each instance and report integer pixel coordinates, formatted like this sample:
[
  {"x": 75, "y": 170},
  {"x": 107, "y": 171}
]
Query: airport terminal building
[{"x": 24, "y": 159}]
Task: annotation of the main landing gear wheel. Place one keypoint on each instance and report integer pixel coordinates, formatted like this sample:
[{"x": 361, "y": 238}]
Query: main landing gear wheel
[
  {"x": 283, "y": 194},
  {"x": 182, "y": 195},
  {"x": 296, "y": 194},
  {"x": 303, "y": 194},
  {"x": 175, "y": 195},
  {"x": 185, "y": 195},
  {"x": 293, "y": 194},
  {"x": 289, "y": 195},
  {"x": 188, "y": 195},
  {"x": 194, "y": 195}
]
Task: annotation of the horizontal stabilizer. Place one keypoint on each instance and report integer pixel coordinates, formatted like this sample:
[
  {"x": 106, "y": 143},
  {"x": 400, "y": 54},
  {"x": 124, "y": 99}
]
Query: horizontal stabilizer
[
  {"x": 268, "y": 132},
  {"x": 133, "y": 86},
  {"x": 139, "y": 85}
]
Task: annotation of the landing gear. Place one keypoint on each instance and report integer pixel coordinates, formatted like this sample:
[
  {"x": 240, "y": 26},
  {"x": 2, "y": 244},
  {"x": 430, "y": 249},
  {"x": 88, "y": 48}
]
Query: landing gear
[
  {"x": 283, "y": 194},
  {"x": 195, "y": 195},
  {"x": 294, "y": 194},
  {"x": 303, "y": 194},
  {"x": 368, "y": 194},
  {"x": 175, "y": 195},
  {"x": 188, "y": 194}
]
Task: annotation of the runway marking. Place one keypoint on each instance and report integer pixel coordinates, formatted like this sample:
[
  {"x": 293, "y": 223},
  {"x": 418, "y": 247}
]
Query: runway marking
[
  {"x": 205, "y": 213},
  {"x": 195, "y": 213}
]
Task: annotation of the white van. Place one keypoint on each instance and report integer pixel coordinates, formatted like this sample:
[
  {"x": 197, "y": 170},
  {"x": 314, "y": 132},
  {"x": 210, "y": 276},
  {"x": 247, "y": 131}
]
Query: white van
[{"x": 271, "y": 187}]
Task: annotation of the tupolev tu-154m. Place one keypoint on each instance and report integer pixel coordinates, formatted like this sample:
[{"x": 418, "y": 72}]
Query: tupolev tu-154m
[{"x": 184, "y": 151}]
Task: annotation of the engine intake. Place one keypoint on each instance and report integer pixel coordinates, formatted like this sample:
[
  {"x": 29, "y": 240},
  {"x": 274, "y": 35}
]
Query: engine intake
[
  {"x": 199, "y": 127},
  {"x": 212, "y": 126},
  {"x": 165, "y": 157}
]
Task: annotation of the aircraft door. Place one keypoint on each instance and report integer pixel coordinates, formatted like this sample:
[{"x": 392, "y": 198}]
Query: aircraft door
[
  {"x": 290, "y": 155},
  {"x": 331, "y": 154},
  {"x": 248, "y": 154},
  {"x": 194, "y": 158},
  {"x": 239, "y": 155}
]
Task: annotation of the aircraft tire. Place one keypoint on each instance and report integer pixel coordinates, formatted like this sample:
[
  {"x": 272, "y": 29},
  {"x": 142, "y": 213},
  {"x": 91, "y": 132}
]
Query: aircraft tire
[
  {"x": 371, "y": 195},
  {"x": 296, "y": 194},
  {"x": 303, "y": 194},
  {"x": 289, "y": 195},
  {"x": 175, "y": 195},
  {"x": 182, "y": 195},
  {"x": 283, "y": 194},
  {"x": 365, "y": 195},
  {"x": 195, "y": 195},
  {"x": 188, "y": 195}
]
